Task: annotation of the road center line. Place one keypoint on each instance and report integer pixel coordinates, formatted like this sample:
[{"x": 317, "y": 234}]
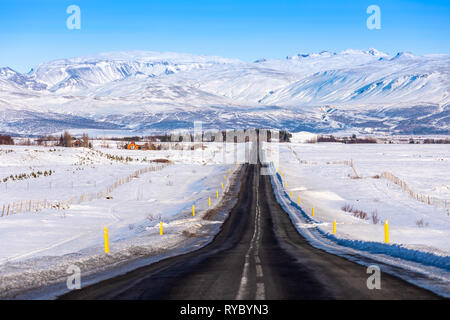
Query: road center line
[
  {"x": 259, "y": 272},
  {"x": 260, "y": 291},
  {"x": 243, "y": 287}
]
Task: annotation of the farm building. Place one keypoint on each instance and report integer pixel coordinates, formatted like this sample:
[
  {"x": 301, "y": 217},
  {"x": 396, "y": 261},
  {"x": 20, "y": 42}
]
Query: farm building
[{"x": 137, "y": 146}]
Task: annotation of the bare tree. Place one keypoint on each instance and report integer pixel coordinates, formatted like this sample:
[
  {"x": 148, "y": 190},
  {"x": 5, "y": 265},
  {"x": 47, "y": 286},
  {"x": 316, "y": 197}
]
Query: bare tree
[
  {"x": 67, "y": 139},
  {"x": 85, "y": 140}
]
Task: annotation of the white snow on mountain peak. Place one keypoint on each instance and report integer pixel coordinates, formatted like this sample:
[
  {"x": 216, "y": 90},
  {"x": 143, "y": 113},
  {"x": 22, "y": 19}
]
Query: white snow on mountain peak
[{"x": 120, "y": 83}]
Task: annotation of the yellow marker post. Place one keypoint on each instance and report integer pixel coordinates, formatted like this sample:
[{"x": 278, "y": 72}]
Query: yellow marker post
[
  {"x": 229, "y": 170},
  {"x": 224, "y": 177},
  {"x": 291, "y": 194},
  {"x": 105, "y": 231},
  {"x": 386, "y": 231},
  {"x": 222, "y": 185},
  {"x": 193, "y": 210},
  {"x": 209, "y": 201},
  {"x": 285, "y": 184},
  {"x": 160, "y": 229},
  {"x": 299, "y": 200},
  {"x": 334, "y": 227},
  {"x": 313, "y": 211},
  {"x": 217, "y": 194}
]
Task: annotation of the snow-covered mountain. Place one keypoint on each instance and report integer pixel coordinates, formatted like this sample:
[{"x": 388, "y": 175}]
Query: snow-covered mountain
[{"x": 363, "y": 90}]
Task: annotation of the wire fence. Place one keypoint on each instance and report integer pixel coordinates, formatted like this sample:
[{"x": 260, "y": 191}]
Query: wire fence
[
  {"x": 39, "y": 205},
  {"x": 439, "y": 203},
  {"x": 350, "y": 164}
]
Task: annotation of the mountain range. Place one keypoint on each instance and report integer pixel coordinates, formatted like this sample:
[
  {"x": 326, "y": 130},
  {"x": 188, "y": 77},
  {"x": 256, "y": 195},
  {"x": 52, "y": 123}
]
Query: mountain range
[{"x": 141, "y": 92}]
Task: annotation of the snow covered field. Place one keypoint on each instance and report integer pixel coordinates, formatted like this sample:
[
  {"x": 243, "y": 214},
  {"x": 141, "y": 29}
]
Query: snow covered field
[
  {"x": 417, "y": 252},
  {"x": 319, "y": 175},
  {"x": 38, "y": 245}
]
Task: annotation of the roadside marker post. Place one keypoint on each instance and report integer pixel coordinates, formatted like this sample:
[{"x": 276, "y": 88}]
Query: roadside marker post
[
  {"x": 106, "y": 235},
  {"x": 291, "y": 194},
  {"x": 386, "y": 231},
  {"x": 209, "y": 201},
  {"x": 313, "y": 211},
  {"x": 160, "y": 228},
  {"x": 222, "y": 185},
  {"x": 299, "y": 200},
  {"x": 193, "y": 210},
  {"x": 334, "y": 227},
  {"x": 217, "y": 194}
]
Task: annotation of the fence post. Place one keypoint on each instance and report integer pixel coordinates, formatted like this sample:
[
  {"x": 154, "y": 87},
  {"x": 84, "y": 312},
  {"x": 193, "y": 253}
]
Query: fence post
[
  {"x": 106, "y": 236},
  {"x": 386, "y": 231}
]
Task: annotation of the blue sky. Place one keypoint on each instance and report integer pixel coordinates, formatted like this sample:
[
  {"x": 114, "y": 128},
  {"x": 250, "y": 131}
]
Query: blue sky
[{"x": 32, "y": 32}]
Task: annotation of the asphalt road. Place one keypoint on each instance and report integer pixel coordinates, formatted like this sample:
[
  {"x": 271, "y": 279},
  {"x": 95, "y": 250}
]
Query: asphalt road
[{"x": 257, "y": 255}]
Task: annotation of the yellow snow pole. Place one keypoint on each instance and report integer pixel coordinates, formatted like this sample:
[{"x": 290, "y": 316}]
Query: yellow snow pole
[
  {"x": 209, "y": 201},
  {"x": 299, "y": 200},
  {"x": 334, "y": 227},
  {"x": 193, "y": 210},
  {"x": 386, "y": 231},
  {"x": 217, "y": 194},
  {"x": 160, "y": 228},
  {"x": 313, "y": 211},
  {"x": 105, "y": 231}
]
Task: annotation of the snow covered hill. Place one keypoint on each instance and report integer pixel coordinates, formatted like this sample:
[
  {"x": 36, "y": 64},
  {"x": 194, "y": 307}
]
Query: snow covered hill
[{"x": 362, "y": 90}]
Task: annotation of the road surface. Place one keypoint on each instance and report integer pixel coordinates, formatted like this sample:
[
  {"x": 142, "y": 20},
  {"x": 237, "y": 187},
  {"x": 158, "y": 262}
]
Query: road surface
[{"x": 257, "y": 255}]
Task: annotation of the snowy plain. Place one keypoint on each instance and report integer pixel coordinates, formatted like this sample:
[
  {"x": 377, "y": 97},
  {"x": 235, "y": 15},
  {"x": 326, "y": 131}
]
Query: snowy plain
[
  {"x": 314, "y": 175},
  {"x": 39, "y": 245}
]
